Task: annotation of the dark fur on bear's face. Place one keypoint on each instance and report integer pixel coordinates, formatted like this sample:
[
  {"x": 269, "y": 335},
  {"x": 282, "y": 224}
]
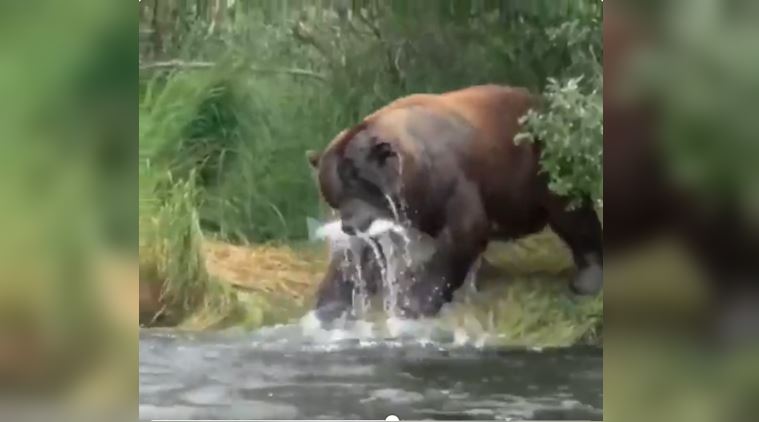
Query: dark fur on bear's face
[{"x": 367, "y": 172}]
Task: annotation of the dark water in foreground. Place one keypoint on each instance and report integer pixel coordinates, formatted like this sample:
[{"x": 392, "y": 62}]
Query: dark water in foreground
[{"x": 280, "y": 373}]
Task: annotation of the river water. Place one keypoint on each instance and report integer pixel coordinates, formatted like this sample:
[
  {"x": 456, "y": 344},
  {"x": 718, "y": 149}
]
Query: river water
[{"x": 298, "y": 371}]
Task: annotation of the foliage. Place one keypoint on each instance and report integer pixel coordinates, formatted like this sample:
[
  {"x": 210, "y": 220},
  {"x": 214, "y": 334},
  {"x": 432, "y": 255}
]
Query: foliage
[
  {"x": 233, "y": 93},
  {"x": 257, "y": 86},
  {"x": 569, "y": 128},
  {"x": 570, "y": 132},
  {"x": 170, "y": 254}
]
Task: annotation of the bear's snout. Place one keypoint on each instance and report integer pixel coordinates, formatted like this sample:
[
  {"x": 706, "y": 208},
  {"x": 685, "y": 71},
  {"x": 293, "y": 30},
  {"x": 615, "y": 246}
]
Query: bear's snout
[{"x": 356, "y": 217}]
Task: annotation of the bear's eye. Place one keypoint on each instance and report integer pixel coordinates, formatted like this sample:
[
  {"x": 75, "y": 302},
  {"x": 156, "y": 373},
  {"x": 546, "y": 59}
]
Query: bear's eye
[{"x": 381, "y": 152}]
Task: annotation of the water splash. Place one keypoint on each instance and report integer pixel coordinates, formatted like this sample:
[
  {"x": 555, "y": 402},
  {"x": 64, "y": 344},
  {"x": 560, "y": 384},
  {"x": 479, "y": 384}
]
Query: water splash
[
  {"x": 389, "y": 243},
  {"x": 361, "y": 300},
  {"x": 393, "y": 207},
  {"x": 395, "y": 249},
  {"x": 378, "y": 256},
  {"x": 373, "y": 330},
  {"x": 333, "y": 233},
  {"x": 399, "y": 254},
  {"x": 395, "y": 260},
  {"x": 391, "y": 281}
]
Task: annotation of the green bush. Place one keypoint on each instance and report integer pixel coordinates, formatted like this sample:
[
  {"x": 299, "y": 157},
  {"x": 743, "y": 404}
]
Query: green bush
[{"x": 570, "y": 132}]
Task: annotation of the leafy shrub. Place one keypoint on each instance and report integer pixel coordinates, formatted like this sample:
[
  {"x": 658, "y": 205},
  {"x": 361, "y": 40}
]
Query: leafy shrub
[{"x": 570, "y": 132}]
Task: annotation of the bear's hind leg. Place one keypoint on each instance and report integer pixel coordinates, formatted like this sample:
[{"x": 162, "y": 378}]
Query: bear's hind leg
[{"x": 581, "y": 230}]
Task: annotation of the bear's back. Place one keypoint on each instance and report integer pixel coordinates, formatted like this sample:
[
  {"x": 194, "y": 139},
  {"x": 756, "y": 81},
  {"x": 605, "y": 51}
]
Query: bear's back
[
  {"x": 493, "y": 110},
  {"x": 474, "y": 103}
]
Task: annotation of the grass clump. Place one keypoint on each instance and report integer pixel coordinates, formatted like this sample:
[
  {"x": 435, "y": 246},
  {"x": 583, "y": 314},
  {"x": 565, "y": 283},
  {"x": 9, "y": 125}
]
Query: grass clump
[
  {"x": 179, "y": 156},
  {"x": 525, "y": 299},
  {"x": 528, "y": 311},
  {"x": 172, "y": 264}
]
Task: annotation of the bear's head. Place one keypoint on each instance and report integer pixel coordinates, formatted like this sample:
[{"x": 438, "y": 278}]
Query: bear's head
[{"x": 359, "y": 176}]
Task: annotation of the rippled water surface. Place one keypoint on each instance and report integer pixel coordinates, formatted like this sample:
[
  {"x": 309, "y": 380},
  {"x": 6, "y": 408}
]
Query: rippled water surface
[{"x": 288, "y": 372}]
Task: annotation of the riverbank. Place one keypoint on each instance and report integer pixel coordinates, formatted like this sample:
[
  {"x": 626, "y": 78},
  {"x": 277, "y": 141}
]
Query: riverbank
[{"x": 522, "y": 298}]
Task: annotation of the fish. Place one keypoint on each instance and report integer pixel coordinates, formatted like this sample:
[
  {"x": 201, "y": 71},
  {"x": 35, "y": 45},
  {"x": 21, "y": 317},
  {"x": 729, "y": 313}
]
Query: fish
[{"x": 421, "y": 246}]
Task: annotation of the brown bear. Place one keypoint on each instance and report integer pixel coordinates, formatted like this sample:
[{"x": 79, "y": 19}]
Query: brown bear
[{"x": 448, "y": 166}]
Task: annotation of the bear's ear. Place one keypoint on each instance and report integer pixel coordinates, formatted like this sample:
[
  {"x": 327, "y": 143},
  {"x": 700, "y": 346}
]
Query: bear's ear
[
  {"x": 313, "y": 158},
  {"x": 381, "y": 151}
]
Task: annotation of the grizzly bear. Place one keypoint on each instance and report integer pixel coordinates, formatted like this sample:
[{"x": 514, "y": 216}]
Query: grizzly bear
[{"x": 448, "y": 166}]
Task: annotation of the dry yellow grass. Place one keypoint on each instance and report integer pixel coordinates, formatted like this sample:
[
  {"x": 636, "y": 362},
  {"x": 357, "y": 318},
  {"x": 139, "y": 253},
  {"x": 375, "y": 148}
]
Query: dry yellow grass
[
  {"x": 522, "y": 300},
  {"x": 278, "y": 269},
  {"x": 295, "y": 272}
]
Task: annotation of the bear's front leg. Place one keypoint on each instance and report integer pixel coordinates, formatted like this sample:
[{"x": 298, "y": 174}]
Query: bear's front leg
[
  {"x": 335, "y": 294},
  {"x": 457, "y": 247},
  {"x": 348, "y": 270}
]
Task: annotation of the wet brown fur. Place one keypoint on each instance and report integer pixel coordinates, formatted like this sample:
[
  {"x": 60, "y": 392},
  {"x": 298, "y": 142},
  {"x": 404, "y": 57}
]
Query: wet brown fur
[{"x": 465, "y": 179}]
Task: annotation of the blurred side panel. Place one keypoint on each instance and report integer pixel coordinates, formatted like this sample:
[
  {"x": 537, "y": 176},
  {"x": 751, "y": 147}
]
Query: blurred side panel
[
  {"x": 68, "y": 205},
  {"x": 681, "y": 188}
]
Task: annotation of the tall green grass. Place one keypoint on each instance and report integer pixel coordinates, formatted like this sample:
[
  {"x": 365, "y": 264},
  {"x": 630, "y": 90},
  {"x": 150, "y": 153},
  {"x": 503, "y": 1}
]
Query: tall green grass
[
  {"x": 170, "y": 167},
  {"x": 246, "y": 145},
  {"x": 212, "y": 162}
]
